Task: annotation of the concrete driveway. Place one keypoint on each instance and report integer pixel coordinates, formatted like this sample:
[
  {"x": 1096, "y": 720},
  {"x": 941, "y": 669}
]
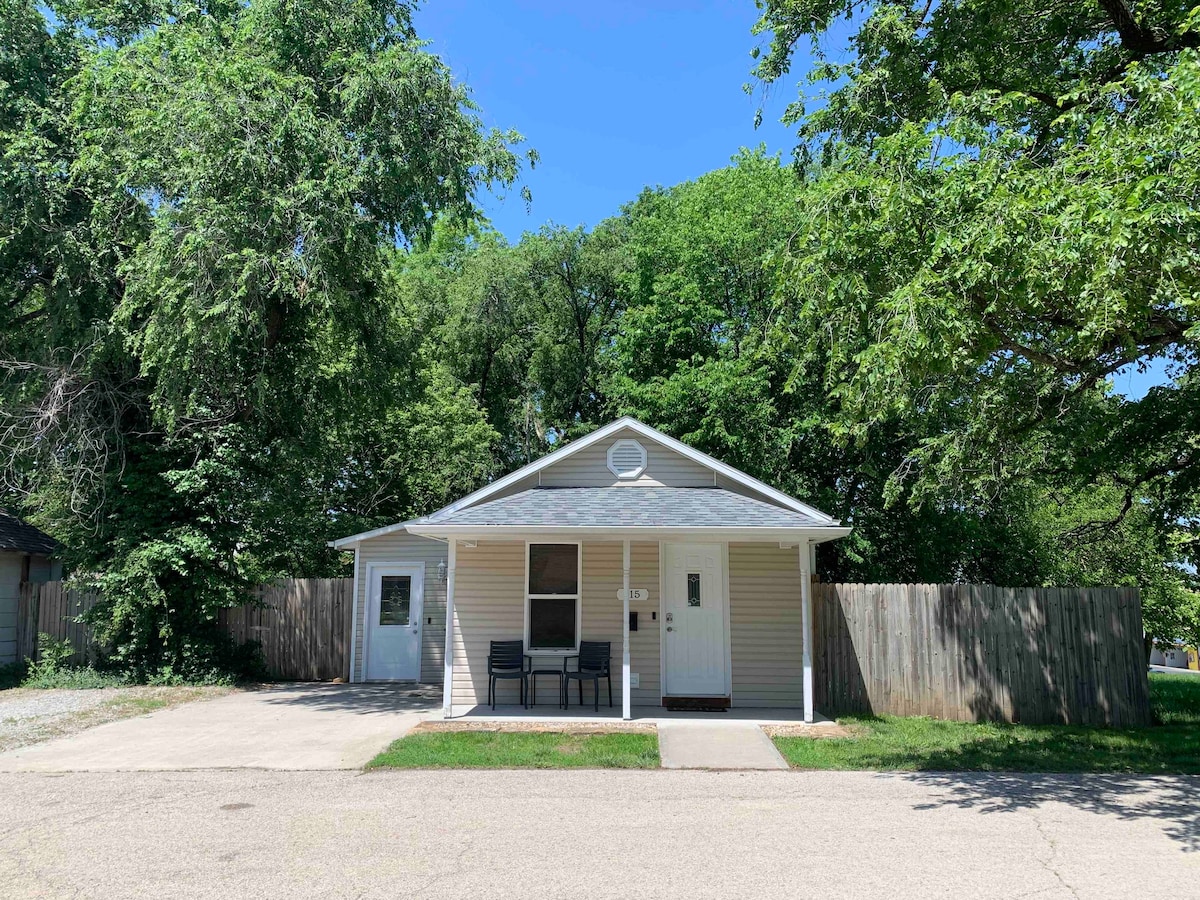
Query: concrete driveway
[
  {"x": 301, "y": 726},
  {"x": 597, "y": 834}
]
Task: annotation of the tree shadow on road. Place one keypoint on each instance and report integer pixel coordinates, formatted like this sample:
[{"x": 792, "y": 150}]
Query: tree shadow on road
[{"x": 1172, "y": 801}]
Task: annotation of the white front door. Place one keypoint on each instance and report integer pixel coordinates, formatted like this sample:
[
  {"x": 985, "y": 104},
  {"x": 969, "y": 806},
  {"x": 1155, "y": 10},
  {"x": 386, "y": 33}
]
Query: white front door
[
  {"x": 694, "y": 621},
  {"x": 395, "y": 597}
]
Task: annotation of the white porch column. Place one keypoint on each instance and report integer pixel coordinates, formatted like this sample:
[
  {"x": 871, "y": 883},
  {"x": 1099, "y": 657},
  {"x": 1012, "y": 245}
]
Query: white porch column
[
  {"x": 354, "y": 625},
  {"x": 625, "y": 701},
  {"x": 807, "y": 625},
  {"x": 448, "y": 664}
]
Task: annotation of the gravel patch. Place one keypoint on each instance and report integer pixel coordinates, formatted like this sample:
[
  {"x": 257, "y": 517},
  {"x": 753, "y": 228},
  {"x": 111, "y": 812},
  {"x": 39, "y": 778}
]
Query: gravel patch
[
  {"x": 817, "y": 730},
  {"x": 30, "y": 715}
]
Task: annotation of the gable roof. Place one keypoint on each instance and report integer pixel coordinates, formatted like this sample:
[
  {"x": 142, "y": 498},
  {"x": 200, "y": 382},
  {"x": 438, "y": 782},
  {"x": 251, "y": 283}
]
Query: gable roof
[
  {"x": 659, "y": 507},
  {"x": 22, "y": 537},
  {"x": 815, "y": 518}
]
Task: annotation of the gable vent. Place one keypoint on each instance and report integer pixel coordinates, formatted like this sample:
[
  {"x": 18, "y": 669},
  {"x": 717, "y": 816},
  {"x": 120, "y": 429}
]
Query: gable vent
[{"x": 626, "y": 459}]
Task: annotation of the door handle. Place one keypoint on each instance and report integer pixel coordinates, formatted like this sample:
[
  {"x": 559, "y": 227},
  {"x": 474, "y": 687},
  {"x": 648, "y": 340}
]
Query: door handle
[{"x": 669, "y": 628}]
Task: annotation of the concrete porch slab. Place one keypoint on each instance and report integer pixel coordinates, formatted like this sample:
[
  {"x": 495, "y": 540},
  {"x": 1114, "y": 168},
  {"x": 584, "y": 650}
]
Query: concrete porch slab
[
  {"x": 701, "y": 745},
  {"x": 646, "y": 715}
]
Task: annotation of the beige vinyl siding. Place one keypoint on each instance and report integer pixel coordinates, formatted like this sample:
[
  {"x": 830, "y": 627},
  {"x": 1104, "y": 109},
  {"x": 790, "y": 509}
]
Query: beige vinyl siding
[
  {"x": 644, "y": 643},
  {"x": 401, "y": 547},
  {"x": 589, "y": 468},
  {"x": 766, "y": 636},
  {"x": 489, "y": 605}
]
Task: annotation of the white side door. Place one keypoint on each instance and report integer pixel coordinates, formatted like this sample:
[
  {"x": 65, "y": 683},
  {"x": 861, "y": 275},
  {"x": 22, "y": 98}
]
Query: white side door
[
  {"x": 694, "y": 621},
  {"x": 395, "y": 599}
]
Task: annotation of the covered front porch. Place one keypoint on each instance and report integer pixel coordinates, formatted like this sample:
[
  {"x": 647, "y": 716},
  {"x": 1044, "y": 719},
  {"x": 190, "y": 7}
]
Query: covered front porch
[{"x": 721, "y": 615}]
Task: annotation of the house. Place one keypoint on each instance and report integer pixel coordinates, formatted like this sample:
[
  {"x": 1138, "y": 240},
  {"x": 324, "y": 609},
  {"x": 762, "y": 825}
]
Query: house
[
  {"x": 698, "y": 574},
  {"x": 1172, "y": 654},
  {"x": 26, "y": 554}
]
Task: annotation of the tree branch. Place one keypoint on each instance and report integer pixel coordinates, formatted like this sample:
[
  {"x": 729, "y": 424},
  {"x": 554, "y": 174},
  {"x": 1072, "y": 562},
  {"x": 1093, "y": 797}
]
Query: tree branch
[{"x": 1142, "y": 41}]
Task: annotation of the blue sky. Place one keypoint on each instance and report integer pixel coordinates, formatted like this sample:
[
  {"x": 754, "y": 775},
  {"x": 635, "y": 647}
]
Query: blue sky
[{"x": 614, "y": 96}]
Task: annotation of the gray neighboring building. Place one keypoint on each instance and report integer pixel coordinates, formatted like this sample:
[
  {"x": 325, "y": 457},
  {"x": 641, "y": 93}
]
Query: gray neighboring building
[{"x": 26, "y": 554}]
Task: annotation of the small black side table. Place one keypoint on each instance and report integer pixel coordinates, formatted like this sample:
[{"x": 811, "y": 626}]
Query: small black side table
[{"x": 557, "y": 673}]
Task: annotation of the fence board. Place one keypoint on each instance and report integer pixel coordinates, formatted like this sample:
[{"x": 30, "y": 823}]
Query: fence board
[
  {"x": 301, "y": 624},
  {"x": 976, "y": 652}
]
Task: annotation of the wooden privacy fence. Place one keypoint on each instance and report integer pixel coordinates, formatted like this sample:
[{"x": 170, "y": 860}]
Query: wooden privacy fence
[
  {"x": 303, "y": 624},
  {"x": 51, "y": 609},
  {"x": 981, "y": 653}
]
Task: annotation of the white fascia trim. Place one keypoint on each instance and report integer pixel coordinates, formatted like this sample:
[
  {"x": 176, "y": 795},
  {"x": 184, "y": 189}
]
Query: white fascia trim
[
  {"x": 646, "y": 532},
  {"x": 347, "y": 543}
]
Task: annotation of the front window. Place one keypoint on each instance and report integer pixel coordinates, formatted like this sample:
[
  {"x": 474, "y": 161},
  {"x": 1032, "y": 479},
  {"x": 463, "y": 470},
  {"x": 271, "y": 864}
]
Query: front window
[{"x": 553, "y": 596}]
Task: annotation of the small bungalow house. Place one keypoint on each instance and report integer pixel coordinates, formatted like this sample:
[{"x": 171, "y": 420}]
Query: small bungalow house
[
  {"x": 698, "y": 574},
  {"x": 26, "y": 554}
]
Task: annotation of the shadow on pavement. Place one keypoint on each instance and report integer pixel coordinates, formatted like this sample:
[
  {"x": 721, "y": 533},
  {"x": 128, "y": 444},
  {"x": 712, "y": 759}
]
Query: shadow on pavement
[
  {"x": 1173, "y": 801},
  {"x": 365, "y": 698}
]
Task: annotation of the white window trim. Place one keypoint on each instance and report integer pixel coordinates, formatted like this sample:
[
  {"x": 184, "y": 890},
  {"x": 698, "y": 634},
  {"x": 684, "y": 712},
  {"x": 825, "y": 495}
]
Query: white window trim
[
  {"x": 558, "y": 651},
  {"x": 634, "y": 473}
]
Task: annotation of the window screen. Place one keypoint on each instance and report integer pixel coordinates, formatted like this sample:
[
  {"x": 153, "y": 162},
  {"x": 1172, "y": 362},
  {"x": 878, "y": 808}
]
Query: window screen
[
  {"x": 552, "y": 623},
  {"x": 553, "y": 569},
  {"x": 553, "y": 591}
]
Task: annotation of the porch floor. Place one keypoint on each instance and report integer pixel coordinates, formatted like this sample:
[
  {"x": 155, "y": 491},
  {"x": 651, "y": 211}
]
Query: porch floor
[{"x": 649, "y": 715}]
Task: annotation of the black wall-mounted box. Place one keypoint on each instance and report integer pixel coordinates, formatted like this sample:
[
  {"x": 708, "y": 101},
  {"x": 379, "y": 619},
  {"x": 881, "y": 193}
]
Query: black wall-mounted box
[{"x": 632, "y": 620}]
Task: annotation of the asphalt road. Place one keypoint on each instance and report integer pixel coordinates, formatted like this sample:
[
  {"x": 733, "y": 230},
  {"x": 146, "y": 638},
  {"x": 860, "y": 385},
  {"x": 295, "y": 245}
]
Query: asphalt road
[{"x": 595, "y": 834}]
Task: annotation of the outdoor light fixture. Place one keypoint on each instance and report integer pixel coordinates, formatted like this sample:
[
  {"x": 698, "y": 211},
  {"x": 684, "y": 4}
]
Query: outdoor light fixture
[{"x": 442, "y": 571}]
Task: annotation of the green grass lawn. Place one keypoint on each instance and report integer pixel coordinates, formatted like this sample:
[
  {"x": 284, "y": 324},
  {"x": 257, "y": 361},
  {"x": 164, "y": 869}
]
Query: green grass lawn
[
  {"x": 889, "y": 742},
  {"x": 520, "y": 750}
]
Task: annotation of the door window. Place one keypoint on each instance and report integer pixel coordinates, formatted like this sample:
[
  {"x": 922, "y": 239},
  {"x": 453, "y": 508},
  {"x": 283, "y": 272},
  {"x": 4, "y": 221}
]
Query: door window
[
  {"x": 693, "y": 588},
  {"x": 395, "y": 599}
]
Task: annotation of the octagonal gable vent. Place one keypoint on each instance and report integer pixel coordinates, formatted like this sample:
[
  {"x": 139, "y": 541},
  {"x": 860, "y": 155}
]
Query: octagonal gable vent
[{"x": 627, "y": 459}]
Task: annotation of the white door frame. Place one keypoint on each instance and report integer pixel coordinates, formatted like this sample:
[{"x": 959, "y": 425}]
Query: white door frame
[
  {"x": 416, "y": 610},
  {"x": 662, "y": 621}
]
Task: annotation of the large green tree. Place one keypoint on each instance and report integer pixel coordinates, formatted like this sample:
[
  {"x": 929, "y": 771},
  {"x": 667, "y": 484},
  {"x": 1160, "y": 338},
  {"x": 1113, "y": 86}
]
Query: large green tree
[
  {"x": 1005, "y": 214},
  {"x": 201, "y": 206}
]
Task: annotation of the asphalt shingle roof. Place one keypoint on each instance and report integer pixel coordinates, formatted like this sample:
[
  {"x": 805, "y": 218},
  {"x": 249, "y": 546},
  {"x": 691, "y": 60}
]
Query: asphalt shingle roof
[
  {"x": 636, "y": 507},
  {"x": 23, "y": 537}
]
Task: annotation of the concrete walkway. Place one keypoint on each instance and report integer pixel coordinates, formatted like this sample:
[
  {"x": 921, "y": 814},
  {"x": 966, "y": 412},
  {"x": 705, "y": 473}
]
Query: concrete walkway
[
  {"x": 716, "y": 745},
  {"x": 299, "y": 726}
]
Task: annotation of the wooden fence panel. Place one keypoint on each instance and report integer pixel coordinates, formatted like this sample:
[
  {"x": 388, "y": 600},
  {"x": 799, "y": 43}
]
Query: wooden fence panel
[
  {"x": 981, "y": 653},
  {"x": 49, "y": 608},
  {"x": 302, "y": 625}
]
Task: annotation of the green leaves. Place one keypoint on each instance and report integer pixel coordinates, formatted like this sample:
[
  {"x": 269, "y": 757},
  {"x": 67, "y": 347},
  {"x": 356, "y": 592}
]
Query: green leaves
[{"x": 200, "y": 208}]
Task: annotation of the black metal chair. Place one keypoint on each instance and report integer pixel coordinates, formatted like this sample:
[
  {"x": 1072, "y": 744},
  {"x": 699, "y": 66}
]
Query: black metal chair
[
  {"x": 592, "y": 664},
  {"x": 506, "y": 659}
]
